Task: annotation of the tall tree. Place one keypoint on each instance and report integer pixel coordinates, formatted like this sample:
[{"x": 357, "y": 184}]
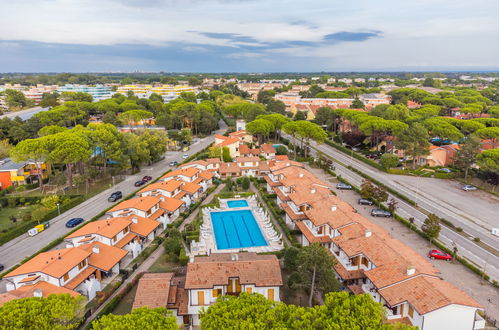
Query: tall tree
[
  {"x": 431, "y": 227},
  {"x": 260, "y": 127},
  {"x": 315, "y": 266},
  {"x": 277, "y": 121},
  {"x": 491, "y": 133},
  {"x": 5, "y": 148},
  {"x": 466, "y": 155},
  {"x": 488, "y": 160},
  {"x": 414, "y": 141},
  {"x": 34, "y": 149},
  {"x": 139, "y": 318},
  {"x": 54, "y": 312}
]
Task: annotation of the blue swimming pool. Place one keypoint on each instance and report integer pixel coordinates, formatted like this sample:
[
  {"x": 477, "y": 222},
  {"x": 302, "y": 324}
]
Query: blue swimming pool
[
  {"x": 237, "y": 203},
  {"x": 236, "y": 229}
]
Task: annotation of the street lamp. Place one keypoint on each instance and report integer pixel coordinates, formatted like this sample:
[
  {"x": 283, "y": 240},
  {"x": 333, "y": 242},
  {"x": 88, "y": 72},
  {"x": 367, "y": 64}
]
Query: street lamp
[{"x": 59, "y": 208}]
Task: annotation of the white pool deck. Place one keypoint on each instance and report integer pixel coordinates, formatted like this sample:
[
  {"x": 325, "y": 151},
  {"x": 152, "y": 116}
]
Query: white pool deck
[{"x": 207, "y": 242}]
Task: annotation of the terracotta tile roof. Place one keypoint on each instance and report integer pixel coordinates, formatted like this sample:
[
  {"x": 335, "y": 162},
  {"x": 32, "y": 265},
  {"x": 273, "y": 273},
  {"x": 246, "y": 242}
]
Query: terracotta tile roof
[
  {"x": 125, "y": 240},
  {"x": 260, "y": 270},
  {"x": 309, "y": 236},
  {"x": 86, "y": 239},
  {"x": 191, "y": 187},
  {"x": 255, "y": 151},
  {"x": 229, "y": 168},
  {"x": 228, "y": 142},
  {"x": 171, "y": 204},
  {"x": 213, "y": 160},
  {"x": 426, "y": 294},
  {"x": 27, "y": 291},
  {"x": 240, "y": 133},
  {"x": 348, "y": 274},
  {"x": 244, "y": 149},
  {"x": 140, "y": 203},
  {"x": 80, "y": 278},
  {"x": 153, "y": 290},
  {"x": 181, "y": 298},
  {"x": 199, "y": 180},
  {"x": 402, "y": 320},
  {"x": 157, "y": 214},
  {"x": 206, "y": 175},
  {"x": 29, "y": 279},
  {"x": 281, "y": 165},
  {"x": 270, "y": 182},
  {"x": 201, "y": 162},
  {"x": 168, "y": 186},
  {"x": 267, "y": 148},
  {"x": 55, "y": 263},
  {"x": 289, "y": 211},
  {"x": 145, "y": 226},
  {"x": 107, "y": 257},
  {"x": 247, "y": 159},
  {"x": 220, "y": 137},
  {"x": 188, "y": 172},
  {"x": 106, "y": 228},
  {"x": 283, "y": 197},
  {"x": 356, "y": 289},
  {"x": 264, "y": 166},
  {"x": 180, "y": 195},
  {"x": 281, "y": 157}
]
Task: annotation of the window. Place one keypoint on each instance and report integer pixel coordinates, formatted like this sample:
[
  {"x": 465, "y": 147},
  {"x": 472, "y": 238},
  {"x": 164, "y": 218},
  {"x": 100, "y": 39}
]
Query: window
[
  {"x": 355, "y": 261},
  {"x": 249, "y": 290},
  {"x": 217, "y": 292},
  {"x": 321, "y": 230},
  {"x": 114, "y": 239},
  {"x": 82, "y": 264},
  {"x": 200, "y": 297},
  {"x": 65, "y": 277},
  {"x": 410, "y": 312},
  {"x": 365, "y": 262},
  {"x": 125, "y": 230}
]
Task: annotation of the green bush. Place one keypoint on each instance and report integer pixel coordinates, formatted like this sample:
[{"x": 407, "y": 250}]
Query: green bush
[
  {"x": 355, "y": 155},
  {"x": 389, "y": 160},
  {"x": 183, "y": 259}
]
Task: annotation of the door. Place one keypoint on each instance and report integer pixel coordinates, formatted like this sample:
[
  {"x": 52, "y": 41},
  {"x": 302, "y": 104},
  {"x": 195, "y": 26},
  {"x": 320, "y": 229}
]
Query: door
[
  {"x": 200, "y": 297},
  {"x": 270, "y": 294},
  {"x": 238, "y": 285}
]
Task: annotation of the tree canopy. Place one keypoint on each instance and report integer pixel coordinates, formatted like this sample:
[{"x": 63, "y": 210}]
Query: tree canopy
[{"x": 139, "y": 318}]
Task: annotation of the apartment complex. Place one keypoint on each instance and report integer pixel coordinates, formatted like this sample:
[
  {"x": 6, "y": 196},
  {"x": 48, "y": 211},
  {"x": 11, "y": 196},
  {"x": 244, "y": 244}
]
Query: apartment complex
[
  {"x": 168, "y": 92},
  {"x": 369, "y": 260},
  {"x": 98, "y": 92},
  {"x": 98, "y": 250},
  {"x": 207, "y": 278}
]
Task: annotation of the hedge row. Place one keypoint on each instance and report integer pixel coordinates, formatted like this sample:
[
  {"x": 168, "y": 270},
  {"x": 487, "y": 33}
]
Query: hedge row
[{"x": 355, "y": 155}]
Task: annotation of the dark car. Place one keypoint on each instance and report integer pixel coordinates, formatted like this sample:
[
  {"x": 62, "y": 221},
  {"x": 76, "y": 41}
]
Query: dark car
[
  {"x": 147, "y": 178},
  {"x": 365, "y": 201},
  {"x": 173, "y": 163},
  {"x": 139, "y": 183},
  {"x": 115, "y": 196},
  {"x": 2, "y": 267},
  {"x": 74, "y": 222},
  {"x": 372, "y": 156},
  {"x": 437, "y": 254},
  {"x": 343, "y": 186},
  {"x": 380, "y": 213}
]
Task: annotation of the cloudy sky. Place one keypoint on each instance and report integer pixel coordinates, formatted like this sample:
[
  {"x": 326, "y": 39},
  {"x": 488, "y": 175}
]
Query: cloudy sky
[{"x": 248, "y": 35}]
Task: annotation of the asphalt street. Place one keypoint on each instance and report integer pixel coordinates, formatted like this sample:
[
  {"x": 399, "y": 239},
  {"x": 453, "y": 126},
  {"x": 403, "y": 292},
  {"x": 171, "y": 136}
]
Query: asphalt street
[
  {"x": 24, "y": 246},
  {"x": 434, "y": 203},
  {"x": 23, "y": 114}
]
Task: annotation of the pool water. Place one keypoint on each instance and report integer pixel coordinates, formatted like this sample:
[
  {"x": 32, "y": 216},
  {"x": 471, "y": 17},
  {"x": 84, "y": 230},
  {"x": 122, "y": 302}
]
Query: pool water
[
  {"x": 237, "y": 203},
  {"x": 236, "y": 229}
]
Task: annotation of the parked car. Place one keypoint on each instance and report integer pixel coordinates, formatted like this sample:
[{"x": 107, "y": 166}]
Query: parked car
[
  {"x": 147, "y": 178},
  {"x": 380, "y": 213},
  {"x": 173, "y": 163},
  {"x": 469, "y": 187},
  {"x": 343, "y": 186},
  {"x": 185, "y": 156},
  {"x": 2, "y": 267},
  {"x": 445, "y": 170},
  {"x": 74, "y": 222},
  {"x": 372, "y": 156},
  {"x": 115, "y": 196},
  {"x": 437, "y": 254},
  {"x": 139, "y": 183},
  {"x": 365, "y": 201}
]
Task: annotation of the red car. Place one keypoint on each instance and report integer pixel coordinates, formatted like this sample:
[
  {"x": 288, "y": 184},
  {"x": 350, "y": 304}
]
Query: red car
[
  {"x": 437, "y": 254},
  {"x": 147, "y": 178}
]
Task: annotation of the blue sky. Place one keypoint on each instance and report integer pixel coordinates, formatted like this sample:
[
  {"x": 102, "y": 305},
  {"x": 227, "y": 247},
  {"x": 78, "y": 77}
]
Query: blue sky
[{"x": 248, "y": 35}]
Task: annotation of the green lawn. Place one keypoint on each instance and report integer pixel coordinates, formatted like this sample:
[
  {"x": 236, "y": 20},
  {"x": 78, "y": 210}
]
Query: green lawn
[
  {"x": 18, "y": 212},
  {"x": 125, "y": 305},
  {"x": 162, "y": 265}
]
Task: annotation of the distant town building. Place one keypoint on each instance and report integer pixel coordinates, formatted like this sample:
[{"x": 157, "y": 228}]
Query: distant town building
[{"x": 98, "y": 92}]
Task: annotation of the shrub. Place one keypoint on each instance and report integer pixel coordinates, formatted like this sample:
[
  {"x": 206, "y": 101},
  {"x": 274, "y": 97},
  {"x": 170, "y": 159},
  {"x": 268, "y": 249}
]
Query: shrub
[{"x": 389, "y": 161}]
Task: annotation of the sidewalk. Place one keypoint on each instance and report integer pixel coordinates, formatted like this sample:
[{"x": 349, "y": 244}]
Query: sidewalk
[
  {"x": 276, "y": 223},
  {"x": 207, "y": 200}
]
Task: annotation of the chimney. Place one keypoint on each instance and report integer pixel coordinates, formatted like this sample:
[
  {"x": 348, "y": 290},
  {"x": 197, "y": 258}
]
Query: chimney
[
  {"x": 333, "y": 208},
  {"x": 312, "y": 191},
  {"x": 38, "y": 293},
  {"x": 301, "y": 175},
  {"x": 95, "y": 249},
  {"x": 411, "y": 271},
  {"x": 135, "y": 220},
  {"x": 234, "y": 257},
  {"x": 287, "y": 164},
  {"x": 368, "y": 233},
  {"x": 162, "y": 198}
]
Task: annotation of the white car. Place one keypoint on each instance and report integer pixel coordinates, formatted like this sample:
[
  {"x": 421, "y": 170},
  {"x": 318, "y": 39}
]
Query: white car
[
  {"x": 185, "y": 156},
  {"x": 468, "y": 187}
]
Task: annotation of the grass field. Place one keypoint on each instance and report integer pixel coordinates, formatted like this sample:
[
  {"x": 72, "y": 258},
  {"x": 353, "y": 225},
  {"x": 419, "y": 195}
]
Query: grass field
[{"x": 18, "y": 212}]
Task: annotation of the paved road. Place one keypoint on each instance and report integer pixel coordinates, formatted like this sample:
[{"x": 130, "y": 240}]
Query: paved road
[
  {"x": 24, "y": 246},
  {"x": 24, "y": 114},
  {"x": 466, "y": 247}
]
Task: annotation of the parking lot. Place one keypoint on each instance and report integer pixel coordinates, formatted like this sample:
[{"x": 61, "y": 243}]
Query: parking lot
[{"x": 452, "y": 272}]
